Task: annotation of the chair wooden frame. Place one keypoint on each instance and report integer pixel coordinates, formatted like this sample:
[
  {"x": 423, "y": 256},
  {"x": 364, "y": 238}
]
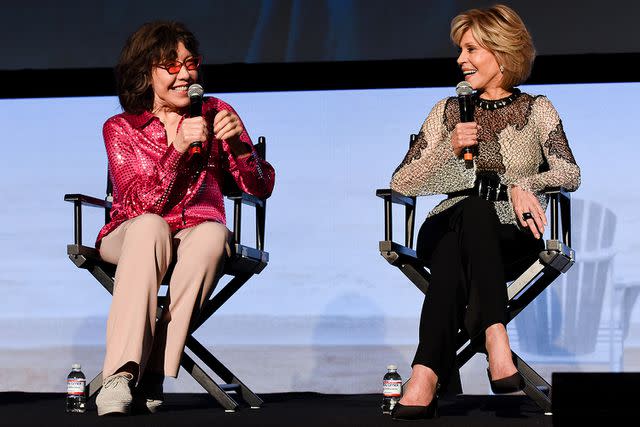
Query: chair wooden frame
[
  {"x": 555, "y": 259},
  {"x": 244, "y": 263}
]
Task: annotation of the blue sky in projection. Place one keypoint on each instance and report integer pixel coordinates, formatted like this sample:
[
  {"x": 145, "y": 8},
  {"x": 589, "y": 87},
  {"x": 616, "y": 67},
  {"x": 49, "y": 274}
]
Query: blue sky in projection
[{"x": 331, "y": 150}]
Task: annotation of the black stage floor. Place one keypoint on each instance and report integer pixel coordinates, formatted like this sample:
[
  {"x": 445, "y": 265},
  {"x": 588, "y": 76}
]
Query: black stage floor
[{"x": 280, "y": 409}]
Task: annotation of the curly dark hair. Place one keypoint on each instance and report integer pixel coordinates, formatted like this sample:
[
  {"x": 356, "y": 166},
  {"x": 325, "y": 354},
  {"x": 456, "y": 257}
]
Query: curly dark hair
[{"x": 151, "y": 44}]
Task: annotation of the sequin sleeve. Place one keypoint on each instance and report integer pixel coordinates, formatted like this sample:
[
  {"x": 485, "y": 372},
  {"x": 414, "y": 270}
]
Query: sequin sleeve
[
  {"x": 563, "y": 170},
  {"x": 430, "y": 166},
  {"x": 252, "y": 174},
  {"x": 142, "y": 185}
]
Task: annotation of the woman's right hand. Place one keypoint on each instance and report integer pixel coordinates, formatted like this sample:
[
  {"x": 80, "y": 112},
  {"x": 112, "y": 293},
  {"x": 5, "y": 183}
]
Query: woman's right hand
[
  {"x": 192, "y": 129},
  {"x": 528, "y": 210},
  {"x": 464, "y": 135}
]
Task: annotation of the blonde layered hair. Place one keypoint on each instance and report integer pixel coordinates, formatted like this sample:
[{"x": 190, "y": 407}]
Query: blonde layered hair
[{"x": 500, "y": 30}]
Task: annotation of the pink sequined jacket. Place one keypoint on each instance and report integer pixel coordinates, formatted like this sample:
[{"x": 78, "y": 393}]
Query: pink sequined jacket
[{"x": 150, "y": 176}]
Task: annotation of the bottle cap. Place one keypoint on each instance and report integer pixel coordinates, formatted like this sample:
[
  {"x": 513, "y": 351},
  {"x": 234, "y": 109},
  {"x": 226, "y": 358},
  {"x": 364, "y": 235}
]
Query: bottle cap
[
  {"x": 75, "y": 366},
  {"x": 392, "y": 367}
]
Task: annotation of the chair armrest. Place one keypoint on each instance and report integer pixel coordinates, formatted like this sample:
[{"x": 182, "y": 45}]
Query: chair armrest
[
  {"x": 78, "y": 200},
  {"x": 395, "y": 197},
  {"x": 247, "y": 199},
  {"x": 560, "y": 213},
  {"x": 558, "y": 190},
  {"x": 87, "y": 200},
  {"x": 239, "y": 198},
  {"x": 409, "y": 202}
]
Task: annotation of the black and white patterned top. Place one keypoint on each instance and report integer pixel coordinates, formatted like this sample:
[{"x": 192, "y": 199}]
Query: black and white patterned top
[{"x": 521, "y": 139}]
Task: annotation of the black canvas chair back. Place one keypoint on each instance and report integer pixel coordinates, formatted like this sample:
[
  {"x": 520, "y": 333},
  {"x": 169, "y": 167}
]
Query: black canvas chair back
[
  {"x": 555, "y": 259},
  {"x": 245, "y": 261}
]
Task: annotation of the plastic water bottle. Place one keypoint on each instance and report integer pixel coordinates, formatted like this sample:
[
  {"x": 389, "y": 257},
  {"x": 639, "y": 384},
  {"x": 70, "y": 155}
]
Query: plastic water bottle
[
  {"x": 76, "y": 381},
  {"x": 391, "y": 389}
]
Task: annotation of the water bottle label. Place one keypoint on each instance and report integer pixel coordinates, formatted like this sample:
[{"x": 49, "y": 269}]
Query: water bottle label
[
  {"x": 75, "y": 386},
  {"x": 392, "y": 388}
]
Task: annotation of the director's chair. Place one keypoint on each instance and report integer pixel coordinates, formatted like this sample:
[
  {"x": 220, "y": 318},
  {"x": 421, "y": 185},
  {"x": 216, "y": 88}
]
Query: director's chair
[
  {"x": 555, "y": 259},
  {"x": 243, "y": 263}
]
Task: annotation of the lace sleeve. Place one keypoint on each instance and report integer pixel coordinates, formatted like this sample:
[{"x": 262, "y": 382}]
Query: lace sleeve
[
  {"x": 563, "y": 169},
  {"x": 430, "y": 166}
]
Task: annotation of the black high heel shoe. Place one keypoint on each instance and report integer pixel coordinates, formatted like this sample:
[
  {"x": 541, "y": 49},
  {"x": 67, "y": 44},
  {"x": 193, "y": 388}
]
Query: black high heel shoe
[
  {"x": 401, "y": 412},
  {"x": 509, "y": 384}
]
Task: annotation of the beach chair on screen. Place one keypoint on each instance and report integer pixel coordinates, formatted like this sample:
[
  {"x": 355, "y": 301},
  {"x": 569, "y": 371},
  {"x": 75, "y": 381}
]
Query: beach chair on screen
[
  {"x": 571, "y": 322},
  {"x": 556, "y": 259},
  {"x": 245, "y": 262}
]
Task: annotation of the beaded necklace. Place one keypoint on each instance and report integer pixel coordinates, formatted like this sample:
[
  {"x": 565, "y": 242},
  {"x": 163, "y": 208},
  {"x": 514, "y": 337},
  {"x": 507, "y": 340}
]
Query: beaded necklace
[{"x": 494, "y": 104}]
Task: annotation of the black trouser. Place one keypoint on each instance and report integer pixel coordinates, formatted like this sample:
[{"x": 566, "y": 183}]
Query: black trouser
[{"x": 471, "y": 256}]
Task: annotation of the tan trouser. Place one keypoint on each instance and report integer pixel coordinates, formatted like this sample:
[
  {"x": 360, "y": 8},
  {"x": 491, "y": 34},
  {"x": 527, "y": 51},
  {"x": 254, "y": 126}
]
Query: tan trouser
[{"x": 143, "y": 248}]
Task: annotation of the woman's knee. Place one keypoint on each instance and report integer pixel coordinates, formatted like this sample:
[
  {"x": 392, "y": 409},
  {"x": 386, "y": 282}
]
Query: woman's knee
[
  {"x": 209, "y": 241},
  {"x": 150, "y": 227}
]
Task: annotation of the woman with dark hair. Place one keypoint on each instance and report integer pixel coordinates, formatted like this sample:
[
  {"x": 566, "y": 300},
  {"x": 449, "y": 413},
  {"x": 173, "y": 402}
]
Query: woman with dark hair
[
  {"x": 489, "y": 228},
  {"x": 167, "y": 208}
]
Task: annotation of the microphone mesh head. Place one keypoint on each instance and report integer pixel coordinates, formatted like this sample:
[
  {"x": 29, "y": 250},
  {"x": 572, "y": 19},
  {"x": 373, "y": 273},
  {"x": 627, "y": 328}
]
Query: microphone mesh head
[
  {"x": 463, "y": 88},
  {"x": 195, "y": 90}
]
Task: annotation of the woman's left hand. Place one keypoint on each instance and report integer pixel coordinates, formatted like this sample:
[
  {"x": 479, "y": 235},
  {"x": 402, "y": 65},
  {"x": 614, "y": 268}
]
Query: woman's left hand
[
  {"x": 528, "y": 210},
  {"x": 227, "y": 126}
]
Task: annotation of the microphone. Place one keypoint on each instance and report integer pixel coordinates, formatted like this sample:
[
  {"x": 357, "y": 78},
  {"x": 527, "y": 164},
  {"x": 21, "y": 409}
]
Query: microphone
[
  {"x": 195, "y": 93},
  {"x": 465, "y": 102}
]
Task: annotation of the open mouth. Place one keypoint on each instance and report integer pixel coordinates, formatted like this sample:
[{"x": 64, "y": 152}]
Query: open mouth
[
  {"x": 180, "y": 88},
  {"x": 469, "y": 72}
]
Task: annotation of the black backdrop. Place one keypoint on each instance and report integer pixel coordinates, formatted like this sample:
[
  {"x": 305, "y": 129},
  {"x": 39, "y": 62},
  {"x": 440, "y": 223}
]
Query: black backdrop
[{"x": 68, "y": 47}]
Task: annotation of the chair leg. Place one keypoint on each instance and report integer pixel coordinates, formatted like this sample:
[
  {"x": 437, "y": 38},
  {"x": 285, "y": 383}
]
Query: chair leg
[
  {"x": 219, "y": 394},
  {"x": 94, "y": 386},
  {"x": 535, "y": 386},
  {"x": 454, "y": 387},
  {"x": 520, "y": 293},
  {"x": 232, "y": 383},
  {"x": 224, "y": 373},
  {"x": 417, "y": 275},
  {"x": 216, "y": 301}
]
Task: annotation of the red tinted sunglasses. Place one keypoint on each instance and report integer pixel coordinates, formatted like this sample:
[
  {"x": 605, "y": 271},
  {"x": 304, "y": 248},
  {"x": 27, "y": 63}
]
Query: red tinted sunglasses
[{"x": 173, "y": 67}]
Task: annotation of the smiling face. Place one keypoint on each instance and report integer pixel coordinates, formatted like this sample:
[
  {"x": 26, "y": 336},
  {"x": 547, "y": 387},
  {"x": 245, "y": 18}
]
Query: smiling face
[
  {"x": 479, "y": 65},
  {"x": 170, "y": 90}
]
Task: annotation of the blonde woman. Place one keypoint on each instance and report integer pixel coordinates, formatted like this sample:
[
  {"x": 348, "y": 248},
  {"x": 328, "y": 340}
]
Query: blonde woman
[{"x": 489, "y": 228}]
